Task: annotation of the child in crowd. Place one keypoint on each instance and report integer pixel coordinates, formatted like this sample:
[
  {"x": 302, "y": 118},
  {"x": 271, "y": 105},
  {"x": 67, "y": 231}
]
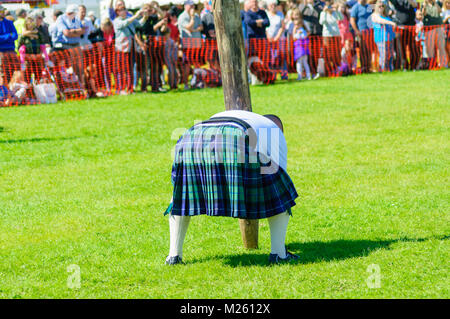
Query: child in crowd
[
  {"x": 301, "y": 45},
  {"x": 170, "y": 56},
  {"x": 18, "y": 88},
  {"x": 348, "y": 59},
  {"x": 4, "y": 94},
  {"x": 344, "y": 23},
  {"x": 420, "y": 39}
]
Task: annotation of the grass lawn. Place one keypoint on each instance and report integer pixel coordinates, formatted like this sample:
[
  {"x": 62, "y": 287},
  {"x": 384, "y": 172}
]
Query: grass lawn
[{"x": 86, "y": 183}]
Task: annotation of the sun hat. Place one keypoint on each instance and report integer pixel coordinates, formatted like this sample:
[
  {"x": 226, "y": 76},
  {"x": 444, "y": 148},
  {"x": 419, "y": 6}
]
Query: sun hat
[{"x": 72, "y": 8}]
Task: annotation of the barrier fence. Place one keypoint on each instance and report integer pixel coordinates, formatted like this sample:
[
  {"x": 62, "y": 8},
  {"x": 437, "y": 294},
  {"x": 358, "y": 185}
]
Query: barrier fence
[{"x": 100, "y": 70}]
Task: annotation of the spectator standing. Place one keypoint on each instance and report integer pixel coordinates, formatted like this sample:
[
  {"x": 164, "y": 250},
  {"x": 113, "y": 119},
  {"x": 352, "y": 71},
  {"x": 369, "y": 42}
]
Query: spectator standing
[
  {"x": 310, "y": 11},
  {"x": 29, "y": 47},
  {"x": 125, "y": 30},
  {"x": 148, "y": 31},
  {"x": 329, "y": 18},
  {"x": 434, "y": 31},
  {"x": 275, "y": 35},
  {"x": 420, "y": 40},
  {"x": 244, "y": 25},
  {"x": 275, "y": 30},
  {"x": 19, "y": 24},
  {"x": 301, "y": 45},
  {"x": 384, "y": 36},
  {"x": 103, "y": 38},
  {"x": 52, "y": 29},
  {"x": 190, "y": 26},
  {"x": 256, "y": 21},
  {"x": 207, "y": 18},
  {"x": 405, "y": 16},
  {"x": 87, "y": 25},
  {"x": 359, "y": 16},
  {"x": 69, "y": 30},
  {"x": 112, "y": 10},
  {"x": 8, "y": 58},
  {"x": 42, "y": 27},
  {"x": 172, "y": 24},
  {"x": 171, "y": 57},
  {"x": 291, "y": 5},
  {"x": 95, "y": 21},
  {"x": 189, "y": 22},
  {"x": 344, "y": 23}
]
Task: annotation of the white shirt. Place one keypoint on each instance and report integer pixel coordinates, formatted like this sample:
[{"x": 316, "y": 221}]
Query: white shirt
[
  {"x": 275, "y": 25},
  {"x": 89, "y": 28},
  {"x": 329, "y": 22},
  {"x": 270, "y": 139}
]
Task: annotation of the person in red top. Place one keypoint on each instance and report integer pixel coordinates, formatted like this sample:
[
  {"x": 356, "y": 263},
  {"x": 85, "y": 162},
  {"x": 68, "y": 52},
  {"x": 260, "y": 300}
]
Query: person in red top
[{"x": 172, "y": 25}]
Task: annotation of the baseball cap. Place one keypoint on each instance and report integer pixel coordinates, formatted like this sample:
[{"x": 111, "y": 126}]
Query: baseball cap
[
  {"x": 91, "y": 13},
  {"x": 72, "y": 8},
  {"x": 189, "y": 2}
]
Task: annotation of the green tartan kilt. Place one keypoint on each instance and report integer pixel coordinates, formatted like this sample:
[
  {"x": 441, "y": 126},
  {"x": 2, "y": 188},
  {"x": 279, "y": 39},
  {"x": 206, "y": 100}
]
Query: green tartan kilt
[{"x": 216, "y": 173}]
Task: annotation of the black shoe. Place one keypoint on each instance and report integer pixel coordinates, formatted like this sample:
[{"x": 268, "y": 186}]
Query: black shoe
[
  {"x": 275, "y": 259},
  {"x": 173, "y": 260}
]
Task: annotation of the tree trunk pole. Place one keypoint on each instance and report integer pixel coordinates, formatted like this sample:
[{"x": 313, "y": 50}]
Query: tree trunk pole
[{"x": 233, "y": 65}]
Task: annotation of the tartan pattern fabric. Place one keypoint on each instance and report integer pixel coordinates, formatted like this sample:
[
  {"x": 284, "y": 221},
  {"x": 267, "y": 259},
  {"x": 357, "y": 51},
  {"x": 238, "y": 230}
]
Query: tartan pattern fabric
[{"x": 217, "y": 174}]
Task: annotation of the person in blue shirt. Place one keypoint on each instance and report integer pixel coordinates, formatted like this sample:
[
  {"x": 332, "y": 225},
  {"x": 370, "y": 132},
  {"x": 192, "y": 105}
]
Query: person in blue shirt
[
  {"x": 384, "y": 35},
  {"x": 359, "y": 16},
  {"x": 9, "y": 61},
  {"x": 52, "y": 29},
  {"x": 69, "y": 30},
  {"x": 118, "y": 5},
  {"x": 256, "y": 21}
]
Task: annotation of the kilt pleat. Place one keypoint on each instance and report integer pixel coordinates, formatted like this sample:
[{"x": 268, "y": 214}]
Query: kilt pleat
[{"x": 217, "y": 174}]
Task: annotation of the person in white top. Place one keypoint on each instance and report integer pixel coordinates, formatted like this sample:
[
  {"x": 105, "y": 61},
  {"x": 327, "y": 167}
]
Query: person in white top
[
  {"x": 276, "y": 33},
  {"x": 87, "y": 25},
  {"x": 329, "y": 18},
  {"x": 270, "y": 139}
]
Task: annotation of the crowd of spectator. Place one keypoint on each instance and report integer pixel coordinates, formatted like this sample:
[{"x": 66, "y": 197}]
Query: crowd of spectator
[{"x": 312, "y": 37}]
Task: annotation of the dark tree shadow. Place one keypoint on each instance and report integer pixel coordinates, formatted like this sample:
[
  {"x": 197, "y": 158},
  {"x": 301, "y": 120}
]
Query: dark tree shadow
[
  {"x": 43, "y": 139},
  {"x": 316, "y": 251},
  {"x": 2, "y": 129}
]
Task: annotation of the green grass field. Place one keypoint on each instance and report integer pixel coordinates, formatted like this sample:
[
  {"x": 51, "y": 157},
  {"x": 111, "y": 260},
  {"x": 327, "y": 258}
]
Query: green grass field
[{"x": 86, "y": 183}]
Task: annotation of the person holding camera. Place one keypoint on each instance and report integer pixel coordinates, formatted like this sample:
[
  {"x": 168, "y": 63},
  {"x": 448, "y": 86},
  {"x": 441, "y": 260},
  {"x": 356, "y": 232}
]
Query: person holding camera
[{"x": 190, "y": 26}]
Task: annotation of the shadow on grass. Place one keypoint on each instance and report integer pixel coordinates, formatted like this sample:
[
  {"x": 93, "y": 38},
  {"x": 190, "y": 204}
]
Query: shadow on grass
[
  {"x": 42, "y": 139},
  {"x": 317, "y": 251}
]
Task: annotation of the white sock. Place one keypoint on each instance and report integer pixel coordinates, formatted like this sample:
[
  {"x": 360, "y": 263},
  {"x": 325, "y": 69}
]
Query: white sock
[
  {"x": 178, "y": 228},
  {"x": 278, "y": 226}
]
